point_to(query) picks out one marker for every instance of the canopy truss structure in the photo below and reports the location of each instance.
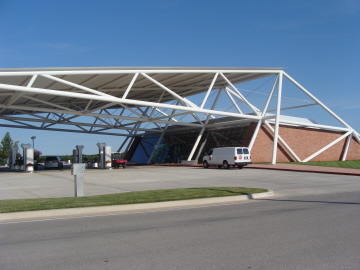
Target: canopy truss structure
(129, 101)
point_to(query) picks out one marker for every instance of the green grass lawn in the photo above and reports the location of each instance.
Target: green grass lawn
(352, 164)
(7, 206)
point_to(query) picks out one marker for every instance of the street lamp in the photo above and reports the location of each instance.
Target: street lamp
(33, 138)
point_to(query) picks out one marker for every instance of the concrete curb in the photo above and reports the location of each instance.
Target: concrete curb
(307, 171)
(319, 169)
(70, 212)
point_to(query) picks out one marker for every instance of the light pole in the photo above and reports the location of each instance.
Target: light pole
(33, 138)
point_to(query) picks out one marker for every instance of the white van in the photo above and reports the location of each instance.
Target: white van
(227, 156)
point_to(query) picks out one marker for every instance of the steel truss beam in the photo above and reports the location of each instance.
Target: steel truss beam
(64, 95)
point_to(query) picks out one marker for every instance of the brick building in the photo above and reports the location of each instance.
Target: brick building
(176, 145)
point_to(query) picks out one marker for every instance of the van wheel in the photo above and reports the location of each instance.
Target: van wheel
(240, 167)
(206, 165)
(226, 165)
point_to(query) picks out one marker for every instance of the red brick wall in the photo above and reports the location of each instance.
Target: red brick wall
(303, 141)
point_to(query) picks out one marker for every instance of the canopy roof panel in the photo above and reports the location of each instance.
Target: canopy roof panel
(114, 81)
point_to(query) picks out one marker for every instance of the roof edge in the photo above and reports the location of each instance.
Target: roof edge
(137, 68)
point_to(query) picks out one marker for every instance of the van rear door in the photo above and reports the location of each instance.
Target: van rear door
(243, 156)
(246, 153)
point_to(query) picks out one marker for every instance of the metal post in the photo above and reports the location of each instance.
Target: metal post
(12, 160)
(101, 155)
(277, 119)
(33, 139)
(78, 170)
(80, 148)
(24, 147)
(349, 139)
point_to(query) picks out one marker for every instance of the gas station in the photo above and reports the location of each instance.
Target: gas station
(175, 113)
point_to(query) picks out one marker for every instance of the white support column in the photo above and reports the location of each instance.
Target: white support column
(348, 142)
(253, 138)
(130, 85)
(31, 82)
(203, 129)
(251, 144)
(196, 144)
(201, 148)
(327, 146)
(277, 119)
(209, 90)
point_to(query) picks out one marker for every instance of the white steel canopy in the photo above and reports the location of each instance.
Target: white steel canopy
(124, 101)
(146, 84)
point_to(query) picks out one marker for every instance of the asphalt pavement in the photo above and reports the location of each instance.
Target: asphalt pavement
(318, 232)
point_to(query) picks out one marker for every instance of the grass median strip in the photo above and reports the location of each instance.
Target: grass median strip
(350, 164)
(7, 206)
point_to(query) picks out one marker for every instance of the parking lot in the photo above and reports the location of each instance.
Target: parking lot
(60, 183)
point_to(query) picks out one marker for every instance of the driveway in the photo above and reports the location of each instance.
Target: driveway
(60, 183)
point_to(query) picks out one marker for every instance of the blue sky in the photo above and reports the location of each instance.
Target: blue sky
(317, 41)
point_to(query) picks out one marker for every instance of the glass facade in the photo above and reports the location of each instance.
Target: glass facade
(144, 149)
(175, 147)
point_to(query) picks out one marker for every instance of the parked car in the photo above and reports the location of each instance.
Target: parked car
(53, 162)
(227, 156)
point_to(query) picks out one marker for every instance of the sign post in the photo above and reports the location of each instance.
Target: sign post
(78, 170)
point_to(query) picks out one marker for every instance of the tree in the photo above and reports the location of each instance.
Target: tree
(5, 146)
(37, 154)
